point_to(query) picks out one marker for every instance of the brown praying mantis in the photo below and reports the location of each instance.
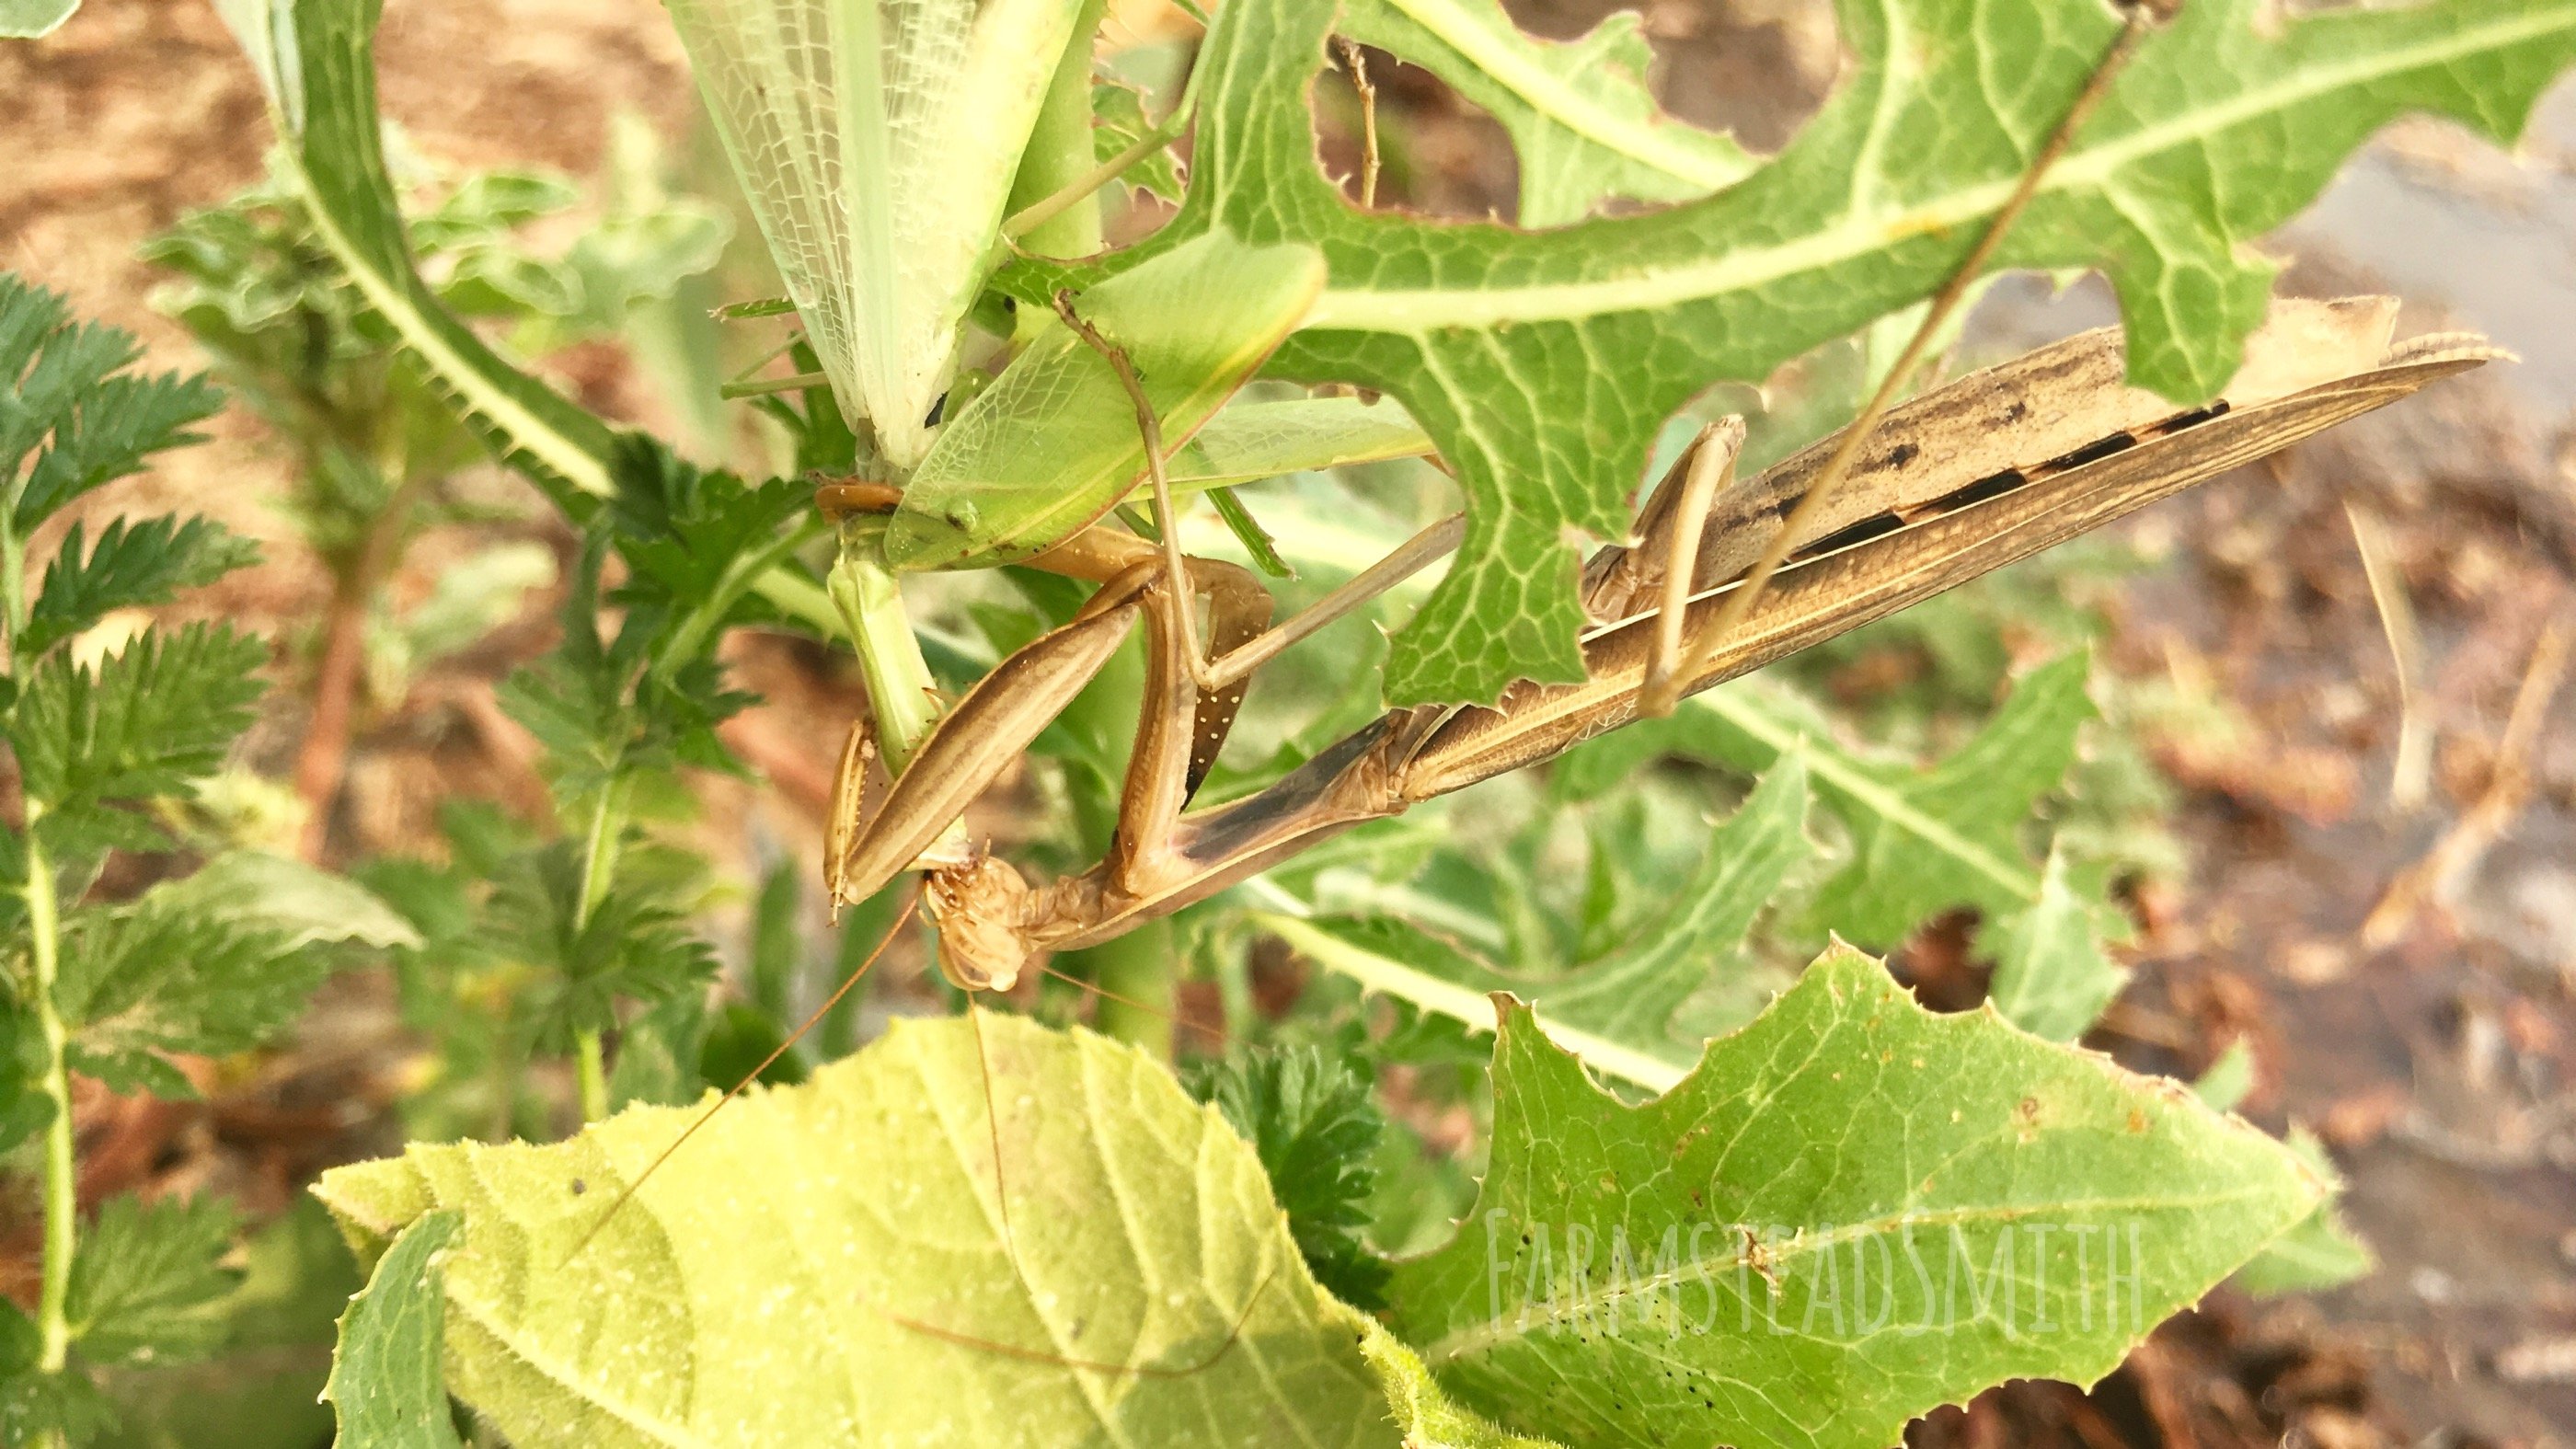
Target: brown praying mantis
(1951, 485)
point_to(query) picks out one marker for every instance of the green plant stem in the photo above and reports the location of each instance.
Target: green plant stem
(902, 696)
(62, 1184)
(598, 870)
(1138, 987)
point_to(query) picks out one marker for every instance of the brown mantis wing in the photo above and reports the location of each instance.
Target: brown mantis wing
(1954, 521)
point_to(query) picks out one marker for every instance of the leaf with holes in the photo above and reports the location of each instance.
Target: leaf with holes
(1543, 363)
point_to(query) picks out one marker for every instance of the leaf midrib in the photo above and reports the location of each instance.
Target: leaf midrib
(1418, 311)
(1491, 1333)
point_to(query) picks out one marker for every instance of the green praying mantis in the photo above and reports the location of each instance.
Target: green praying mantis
(1960, 481)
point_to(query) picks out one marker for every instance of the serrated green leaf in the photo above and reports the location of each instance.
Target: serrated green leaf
(384, 1387)
(2052, 978)
(1582, 122)
(806, 1269)
(1630, 993)
(147, 1280)
(147, 721)
(165, 975)
(72, 417)
(1311, 1120)
(1054, 442)
(2322, 1251)
(136, 563)
(1774, 1252)
(260, 1390)
(1543, 363)
(877, 151)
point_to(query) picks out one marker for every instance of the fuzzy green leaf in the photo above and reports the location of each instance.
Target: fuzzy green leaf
(146, 722)
(824, 1263)
(1544, 363)
(1776, 1251)
(384, 1386)
(1312, 1122)
(1429, 1417)
(147, 1280)
(1584, 125)
(132, 567)
(303, 905)
(72, 417)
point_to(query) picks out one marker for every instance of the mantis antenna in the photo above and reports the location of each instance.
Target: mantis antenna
(893, 929)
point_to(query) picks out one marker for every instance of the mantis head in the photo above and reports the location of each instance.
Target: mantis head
(977, 906)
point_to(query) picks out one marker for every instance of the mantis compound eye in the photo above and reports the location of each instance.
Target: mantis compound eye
(977, 907)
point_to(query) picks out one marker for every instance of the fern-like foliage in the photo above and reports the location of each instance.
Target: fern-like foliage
(1311, 1119)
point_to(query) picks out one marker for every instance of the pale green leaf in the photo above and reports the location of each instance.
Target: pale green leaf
(298, 904)
(1430, 974)
(1579, 114)
(384, 1383)
(2229, 1078)
(2322, 1251)
(1055, 441)
(32, 19)
(1924, 839)
(1615, 1011)
(876, 143)
(830, 1264)
(1631, 992)
(1543, 363)
(1853, 1211)
(2051, 976)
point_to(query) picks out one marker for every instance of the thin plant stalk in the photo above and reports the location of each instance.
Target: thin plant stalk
(62, 1184)
(598, 871)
